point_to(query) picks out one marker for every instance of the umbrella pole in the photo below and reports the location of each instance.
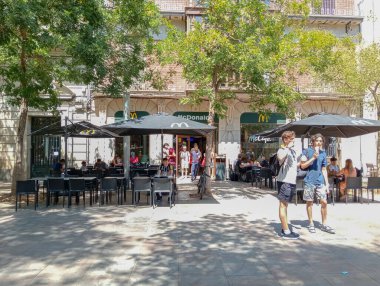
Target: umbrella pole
(66, 118)
(162, 145)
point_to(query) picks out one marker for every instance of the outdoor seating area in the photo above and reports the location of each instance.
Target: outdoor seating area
(105, 190)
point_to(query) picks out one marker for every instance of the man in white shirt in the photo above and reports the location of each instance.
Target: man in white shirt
(286, 180)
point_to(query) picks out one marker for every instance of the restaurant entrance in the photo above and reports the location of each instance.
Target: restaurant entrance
(189, 142)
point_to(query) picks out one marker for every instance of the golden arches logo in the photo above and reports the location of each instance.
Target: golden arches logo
(133, 115)
(88, 132)
(263, 118)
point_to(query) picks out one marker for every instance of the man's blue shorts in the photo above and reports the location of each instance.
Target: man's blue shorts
(285, 191)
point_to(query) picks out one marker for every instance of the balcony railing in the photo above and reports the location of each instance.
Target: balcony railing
(335, 8)
(171, 5)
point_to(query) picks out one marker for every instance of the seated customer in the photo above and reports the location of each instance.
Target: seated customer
(165, 169)
(83, 168)
(134, 159)
(332, 168)
(347, 171)
(117, 161)
(59, 167)
(100, 165)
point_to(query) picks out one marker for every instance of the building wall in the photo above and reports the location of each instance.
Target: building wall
(102, 110)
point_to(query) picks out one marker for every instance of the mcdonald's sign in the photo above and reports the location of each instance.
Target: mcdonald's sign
(263, 118)
(254, 117)
(133, 115)
(119, 115)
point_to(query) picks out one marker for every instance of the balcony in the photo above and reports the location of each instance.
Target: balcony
(171, 6)
(335, 8)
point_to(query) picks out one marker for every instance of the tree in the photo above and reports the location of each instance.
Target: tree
(256, 46)
(356, 73)
(44, 43)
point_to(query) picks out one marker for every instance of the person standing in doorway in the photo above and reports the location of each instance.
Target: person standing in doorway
(286, 181)
(316, 181)
(195, 157)
(185, 158)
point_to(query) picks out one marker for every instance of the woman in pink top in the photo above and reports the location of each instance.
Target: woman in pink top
(134, 159)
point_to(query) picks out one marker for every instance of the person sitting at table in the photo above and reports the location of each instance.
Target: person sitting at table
(100, 165)
(332, 168)
(134, 159)
(255, 163)
(83, 168)
(117, 161)
(347, 171)
(165, 169)
(59, 167)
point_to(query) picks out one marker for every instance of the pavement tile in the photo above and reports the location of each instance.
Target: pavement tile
(230, 239)
(350, 279)
(251, 280)
(215, 279)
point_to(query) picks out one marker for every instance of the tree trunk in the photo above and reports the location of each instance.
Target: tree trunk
(19, 154)
(378, 144)
(209, 145)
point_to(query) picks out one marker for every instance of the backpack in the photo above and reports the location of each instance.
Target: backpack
(274, 164)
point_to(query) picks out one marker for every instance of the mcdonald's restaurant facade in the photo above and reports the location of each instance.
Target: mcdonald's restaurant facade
(235, 132)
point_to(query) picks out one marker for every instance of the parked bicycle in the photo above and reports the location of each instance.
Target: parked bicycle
(202, 182)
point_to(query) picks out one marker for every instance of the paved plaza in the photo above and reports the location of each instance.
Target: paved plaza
(227, 239)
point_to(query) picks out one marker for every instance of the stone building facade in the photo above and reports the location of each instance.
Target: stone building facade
(339, 16)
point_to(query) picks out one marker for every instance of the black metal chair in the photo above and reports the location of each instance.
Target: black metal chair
(373, 184)
(299, 188)
(354, 184)
(27, 187)
(77, 186)
(332, 189)
(57, 187)
(256, 176)
(162, 185)
(141, 185)
(123, 185)
(107, 186)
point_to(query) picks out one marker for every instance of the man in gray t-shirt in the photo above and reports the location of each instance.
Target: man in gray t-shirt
(286, 180)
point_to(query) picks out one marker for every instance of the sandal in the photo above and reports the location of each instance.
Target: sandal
(327, 229)
(311, 228)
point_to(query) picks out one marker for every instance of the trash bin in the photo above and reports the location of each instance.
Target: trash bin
(220, 168)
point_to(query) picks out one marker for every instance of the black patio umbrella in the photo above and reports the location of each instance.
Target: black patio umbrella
(329, 125)
(82, 129)
(159, 123)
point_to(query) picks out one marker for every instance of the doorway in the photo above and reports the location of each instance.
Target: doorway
(189, 141)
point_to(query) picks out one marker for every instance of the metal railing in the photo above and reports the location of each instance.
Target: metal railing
(171, 5)
(335, 8)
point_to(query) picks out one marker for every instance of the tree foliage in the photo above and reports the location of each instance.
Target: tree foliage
(253, 47)
(45, 43)
(355, 72)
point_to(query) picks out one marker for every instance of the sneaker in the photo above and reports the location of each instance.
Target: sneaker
(290, 236)
(327, 229)
(311, 228)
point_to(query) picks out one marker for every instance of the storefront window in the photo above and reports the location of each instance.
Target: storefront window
(139, 143)
(253, 123)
